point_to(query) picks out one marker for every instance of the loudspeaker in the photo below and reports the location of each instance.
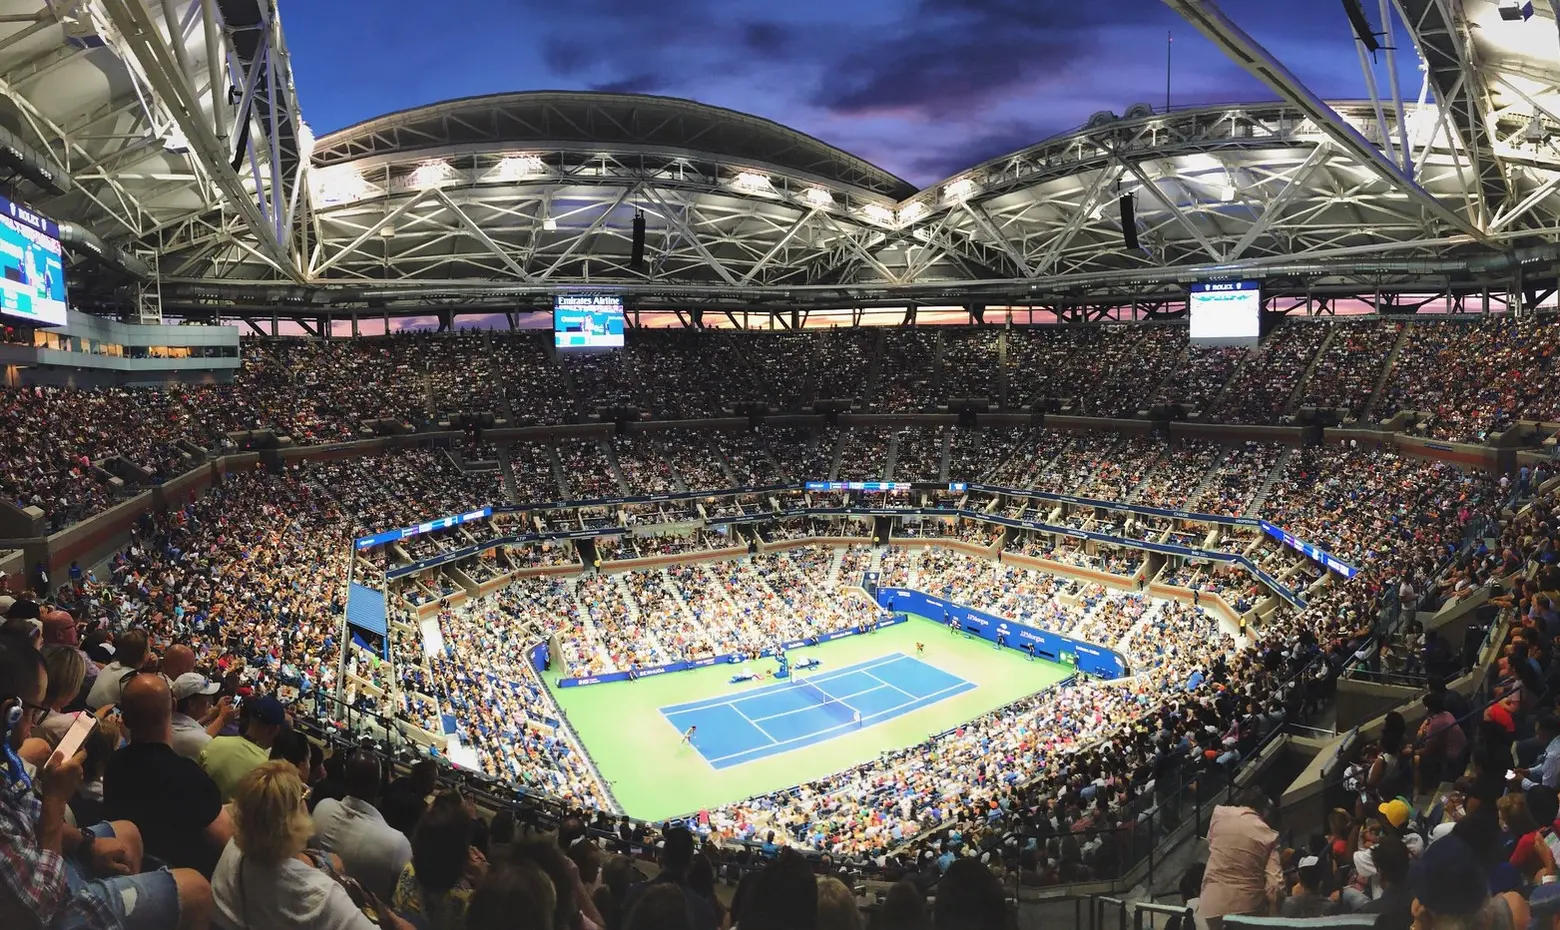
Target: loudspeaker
(1361, 25)
(1128, 222)
(636, 258)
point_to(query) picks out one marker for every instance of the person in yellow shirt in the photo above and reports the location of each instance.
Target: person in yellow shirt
(227, 759)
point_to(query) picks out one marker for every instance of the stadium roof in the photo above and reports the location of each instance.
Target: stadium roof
(165, 158)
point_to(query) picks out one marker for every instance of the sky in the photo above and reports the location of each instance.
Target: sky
(922, 88)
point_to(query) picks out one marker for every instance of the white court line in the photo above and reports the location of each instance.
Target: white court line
(760, 729)
(814, 736)
(780, 686)
(888, 684)
(839, 700)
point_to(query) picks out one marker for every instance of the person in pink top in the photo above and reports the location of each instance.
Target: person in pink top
(1243, 875)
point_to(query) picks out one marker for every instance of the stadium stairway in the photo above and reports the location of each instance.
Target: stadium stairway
(1253, 357)
(618, 476)
(946, 458)
(835, 456)
(1266, 488)
(1293, 402)
(891, 457)
(1381, 380)
(939, 375)
(875, 369)
(719, 456)
(557, 470)
(837, 559)
(1171, 370)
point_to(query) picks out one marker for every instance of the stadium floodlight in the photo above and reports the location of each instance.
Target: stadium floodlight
(911, 212)
(878, 213)
(753, 181)
(819, 197)
(960, 190)
(431, 174)
(1516, 10)
(515, 167)
(1227, 193)
(338, 184)
(305, 140)
(550, 225)
(175, 142)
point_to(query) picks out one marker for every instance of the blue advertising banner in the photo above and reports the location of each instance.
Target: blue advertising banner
(1314, 552)
(1090, 658)
(538, 654)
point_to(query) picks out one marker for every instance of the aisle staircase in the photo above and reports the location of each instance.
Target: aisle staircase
(836, 456)
(875, 369)
(610, 453)
(1255, 507)
(834, 567)
(1291, 405)
(945, 459)
(891, 457)
(1369, 411)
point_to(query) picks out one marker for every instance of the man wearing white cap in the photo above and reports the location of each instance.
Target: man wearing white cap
(1306, 898)
(195, 719)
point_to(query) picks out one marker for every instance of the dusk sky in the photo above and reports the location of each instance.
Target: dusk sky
(923, 88)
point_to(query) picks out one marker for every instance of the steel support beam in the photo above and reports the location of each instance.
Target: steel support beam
(156, 60)
(1446, 45)
(1207, 18)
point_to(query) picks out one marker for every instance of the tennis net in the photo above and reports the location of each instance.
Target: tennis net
(827, 701)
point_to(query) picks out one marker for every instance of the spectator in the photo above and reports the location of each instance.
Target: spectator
(513, 896)
(1243, 874)
(1307, 899)
(436, 885)
(67, 670)
(662, 907)
(130, 653)
(53, 875)
(904, 908)
(676, 860)
(353, 829)
(227, 759)
(195, 719)
(969, 897)
(837, 908)
(784, 896)
(174, 803)
(262, 881)
(1450, 891)
(1394, 908)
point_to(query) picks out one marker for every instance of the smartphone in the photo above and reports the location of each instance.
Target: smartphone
(76, 735)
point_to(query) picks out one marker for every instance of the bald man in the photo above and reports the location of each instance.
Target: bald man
(176, 661)
(174, 803)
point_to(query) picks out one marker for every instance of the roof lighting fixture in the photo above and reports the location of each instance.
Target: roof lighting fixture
(819, 197)
(305, 140)
(962, 189)
(1516, 10)
(878, 213)
(431, 174)
(175, 141)
(338, 184)
(1227, 194)
(550, 225)
(911, 212)
(515, 167)
(752, 181)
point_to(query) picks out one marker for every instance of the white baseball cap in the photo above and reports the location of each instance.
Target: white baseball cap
(192, 683)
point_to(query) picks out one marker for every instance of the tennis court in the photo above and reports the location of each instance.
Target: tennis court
(792, 714)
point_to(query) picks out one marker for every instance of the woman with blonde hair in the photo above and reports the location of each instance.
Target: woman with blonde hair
(266, 880)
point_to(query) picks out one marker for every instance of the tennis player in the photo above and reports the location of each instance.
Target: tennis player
(856, 718)
(687, 739)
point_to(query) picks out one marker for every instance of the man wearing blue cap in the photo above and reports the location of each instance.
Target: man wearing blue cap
(1451, 892)
(227, 759)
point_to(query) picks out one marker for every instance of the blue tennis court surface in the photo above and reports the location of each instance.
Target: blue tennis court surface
(792, 714)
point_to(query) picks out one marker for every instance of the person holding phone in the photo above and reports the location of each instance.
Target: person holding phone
(52, 874)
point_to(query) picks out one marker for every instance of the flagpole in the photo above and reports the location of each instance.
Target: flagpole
(1169, 39)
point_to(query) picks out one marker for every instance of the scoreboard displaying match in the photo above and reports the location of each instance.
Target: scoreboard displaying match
(587, 321)
(1226, 312)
